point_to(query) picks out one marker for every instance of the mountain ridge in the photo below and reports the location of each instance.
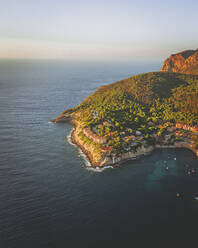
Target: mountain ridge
(182, 62)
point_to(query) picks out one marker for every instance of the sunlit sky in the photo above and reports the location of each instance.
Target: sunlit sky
(97, 30)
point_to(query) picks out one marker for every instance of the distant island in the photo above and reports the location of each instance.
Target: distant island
(132, 117)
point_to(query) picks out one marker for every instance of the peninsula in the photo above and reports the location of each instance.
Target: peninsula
(132, 117)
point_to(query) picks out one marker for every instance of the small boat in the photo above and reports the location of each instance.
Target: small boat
(175, 158)
(196, 198)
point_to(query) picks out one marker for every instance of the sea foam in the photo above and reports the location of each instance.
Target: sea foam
(84, 156)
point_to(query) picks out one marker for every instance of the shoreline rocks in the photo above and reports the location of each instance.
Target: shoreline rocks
(103, 160)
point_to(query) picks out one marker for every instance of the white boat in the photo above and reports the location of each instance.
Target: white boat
(196, 198)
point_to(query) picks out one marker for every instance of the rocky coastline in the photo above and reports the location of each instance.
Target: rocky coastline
(76, 141)
(103, 161)
(98, 160)
(130, 118)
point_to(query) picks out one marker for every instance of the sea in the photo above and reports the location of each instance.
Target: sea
(48, 196)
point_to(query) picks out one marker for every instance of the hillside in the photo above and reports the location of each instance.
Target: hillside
(169, 96)
(183, 62)
(140, 112)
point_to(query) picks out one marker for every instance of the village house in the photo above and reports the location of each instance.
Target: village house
(138, 133)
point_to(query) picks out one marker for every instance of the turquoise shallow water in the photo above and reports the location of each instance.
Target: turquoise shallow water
(47, 196)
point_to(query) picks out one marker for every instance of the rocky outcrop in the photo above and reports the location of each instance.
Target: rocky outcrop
(93, 153)
(66, 116)
(183, 62)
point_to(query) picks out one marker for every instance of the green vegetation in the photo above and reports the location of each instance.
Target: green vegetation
(140, 103)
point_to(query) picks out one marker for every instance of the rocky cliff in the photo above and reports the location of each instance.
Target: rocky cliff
(183, 62)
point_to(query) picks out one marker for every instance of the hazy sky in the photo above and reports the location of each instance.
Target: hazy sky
(97, 29)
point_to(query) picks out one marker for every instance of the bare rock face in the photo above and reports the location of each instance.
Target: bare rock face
(183, 62)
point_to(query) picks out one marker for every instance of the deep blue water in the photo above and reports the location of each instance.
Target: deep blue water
(48, 199)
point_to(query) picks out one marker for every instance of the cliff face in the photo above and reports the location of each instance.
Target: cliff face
(183, 62)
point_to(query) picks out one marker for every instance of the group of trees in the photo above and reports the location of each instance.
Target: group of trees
(136, 101)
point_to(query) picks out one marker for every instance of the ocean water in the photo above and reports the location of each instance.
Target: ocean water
(48, 199)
